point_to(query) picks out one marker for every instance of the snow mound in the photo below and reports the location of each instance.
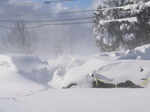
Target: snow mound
(142, 52)
(82, 100)
(79, 75)
(117, 66)
(87, 100)
(70, 70)
(61, 66)
(32, 68)
(12, 83)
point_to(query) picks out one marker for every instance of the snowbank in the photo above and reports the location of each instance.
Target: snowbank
(21, 75)
(61, 66)
(132, 65)
(24, 82)
(81, 100)
(32, 68)
(65, 70)
(87, 100)
(142, 53)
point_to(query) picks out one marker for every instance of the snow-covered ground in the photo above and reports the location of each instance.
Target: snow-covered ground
(27, 82)
(118, 66)
(81, 100)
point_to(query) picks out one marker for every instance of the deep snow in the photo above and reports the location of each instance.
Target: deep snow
(27, 82)
(81, 100)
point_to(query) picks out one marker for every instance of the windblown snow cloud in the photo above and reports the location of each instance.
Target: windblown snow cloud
(49, 38)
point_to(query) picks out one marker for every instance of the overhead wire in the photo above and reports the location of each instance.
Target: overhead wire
(56, 1)
(5, 27)
(56, 22)
(68, 21)
(78, 11)
(52, 22)
(47, 20)
(91, 10)
(65, 21)
(60, 24)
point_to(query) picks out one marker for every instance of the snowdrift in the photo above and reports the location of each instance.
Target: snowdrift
(25, 82)
(79, 100)
(141, 53)
(132, 65)
(20, 75)
(22, 72)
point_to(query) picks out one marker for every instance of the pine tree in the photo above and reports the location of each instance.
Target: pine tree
(121, 26)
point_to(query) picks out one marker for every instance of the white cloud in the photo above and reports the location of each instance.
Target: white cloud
(60, 7)
(12, 8)
(26, 3)
(20, 2)
(96, 3)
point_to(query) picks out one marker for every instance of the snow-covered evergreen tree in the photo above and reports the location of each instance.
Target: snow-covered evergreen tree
(117, 3)
(122, 23)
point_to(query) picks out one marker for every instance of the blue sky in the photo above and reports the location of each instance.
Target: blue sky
(75, 3)
(13, 8)
(81, 3)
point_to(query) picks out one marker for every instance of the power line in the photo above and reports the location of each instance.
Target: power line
(78, 11)
(85, 11)
(54, 22)
(56, 1)
(5, 27)
(51, 24)
(73, 20)
(91, 10)
(61, 24)
(67, 19)
(50, 20)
